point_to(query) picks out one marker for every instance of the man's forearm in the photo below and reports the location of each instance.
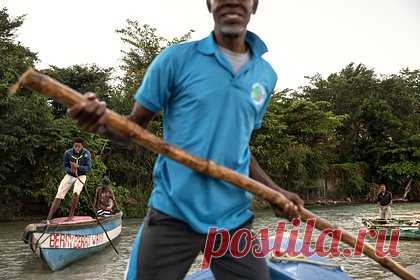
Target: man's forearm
(258, 174)
(119, 138)
(115, 203)
(115, 137)
(83, 168)
(289, 209)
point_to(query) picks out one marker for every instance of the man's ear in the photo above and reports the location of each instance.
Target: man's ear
(209, 6)
(254, 9)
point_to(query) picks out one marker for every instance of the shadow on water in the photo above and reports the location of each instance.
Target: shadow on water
(18, 262)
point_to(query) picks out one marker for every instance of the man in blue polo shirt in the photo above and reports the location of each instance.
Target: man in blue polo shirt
(213, 94)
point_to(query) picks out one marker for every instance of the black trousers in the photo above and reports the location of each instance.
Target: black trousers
(169, 246)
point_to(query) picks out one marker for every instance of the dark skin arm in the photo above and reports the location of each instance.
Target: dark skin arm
(390, 202)
(73, 168)
(95, 201)
(289, 210)
(115, 206)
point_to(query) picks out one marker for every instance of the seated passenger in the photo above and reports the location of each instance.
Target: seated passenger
(105, 204)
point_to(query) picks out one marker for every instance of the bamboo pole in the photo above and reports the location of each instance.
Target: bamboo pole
(69, 97)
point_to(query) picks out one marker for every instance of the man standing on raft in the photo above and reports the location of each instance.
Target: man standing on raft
(77, 163)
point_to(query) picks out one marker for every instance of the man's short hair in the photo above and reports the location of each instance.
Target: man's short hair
(105, 181)
(77, 140)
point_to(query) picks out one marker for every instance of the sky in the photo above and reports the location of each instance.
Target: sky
(304, 37)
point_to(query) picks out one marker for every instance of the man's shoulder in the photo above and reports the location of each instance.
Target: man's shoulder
(174, 57)
(68, 151)
(178, 50)
(86, 151)
(268, 68)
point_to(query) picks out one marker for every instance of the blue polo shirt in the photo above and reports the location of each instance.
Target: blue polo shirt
(209, 112)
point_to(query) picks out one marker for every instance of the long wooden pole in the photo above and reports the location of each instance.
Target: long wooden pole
(69, 97)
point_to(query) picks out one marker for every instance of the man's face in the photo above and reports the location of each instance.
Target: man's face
(77, 147)
(231, 17)
(382, 188)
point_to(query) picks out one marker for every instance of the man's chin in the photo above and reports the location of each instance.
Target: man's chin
(230, 35)
(232, 31)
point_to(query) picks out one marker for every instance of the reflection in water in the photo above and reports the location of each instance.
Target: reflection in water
(18, 262)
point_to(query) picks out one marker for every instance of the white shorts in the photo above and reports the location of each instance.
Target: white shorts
(385, 212)
(66, 184)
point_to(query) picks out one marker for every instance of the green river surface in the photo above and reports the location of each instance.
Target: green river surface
(18, 262)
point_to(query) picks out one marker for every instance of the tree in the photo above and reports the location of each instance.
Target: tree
(34, 133)
(143, 45)
(14, 58)
(16, 117)
(82, 78)
(296, 141)
(382, 115)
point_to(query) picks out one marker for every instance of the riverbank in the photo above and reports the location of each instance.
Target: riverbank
(32, 211)
(15, 210)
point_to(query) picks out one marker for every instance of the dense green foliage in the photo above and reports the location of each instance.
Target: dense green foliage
(350, 130)
(381, 134)
(297, 141)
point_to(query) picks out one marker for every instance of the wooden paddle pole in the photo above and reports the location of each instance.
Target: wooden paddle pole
(69, 97)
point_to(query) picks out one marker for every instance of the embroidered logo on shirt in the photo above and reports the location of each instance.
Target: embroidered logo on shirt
(258, 94)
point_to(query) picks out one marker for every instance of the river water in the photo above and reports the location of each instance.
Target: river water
(18, 262)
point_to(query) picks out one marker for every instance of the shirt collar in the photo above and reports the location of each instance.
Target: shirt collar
(258, 48)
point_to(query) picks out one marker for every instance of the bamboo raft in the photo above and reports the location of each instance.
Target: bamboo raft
(408, 225)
